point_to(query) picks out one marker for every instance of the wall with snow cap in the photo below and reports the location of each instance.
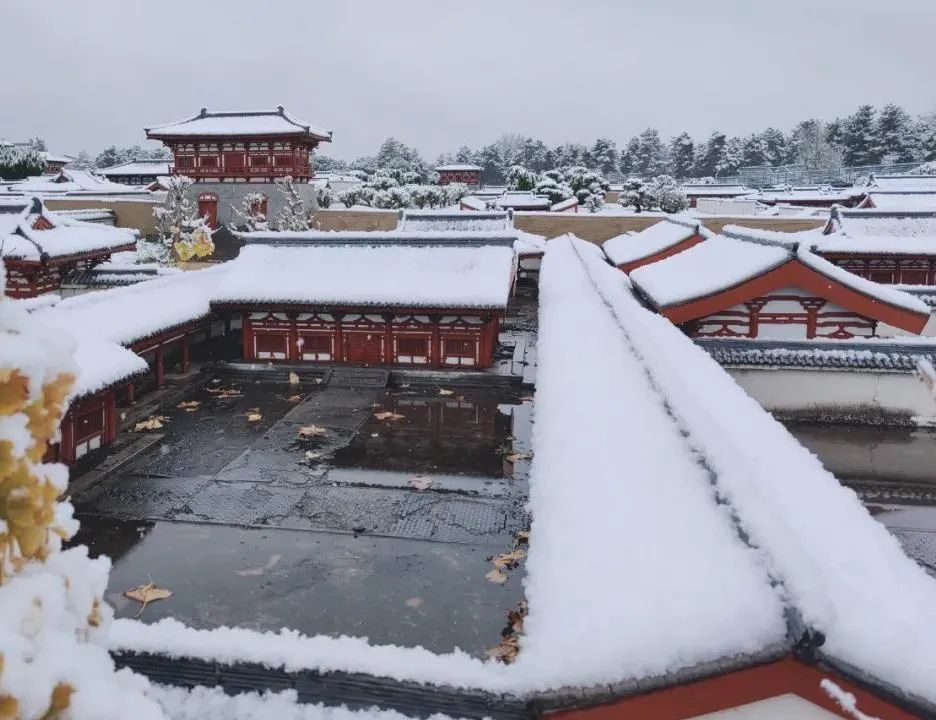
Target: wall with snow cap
(833, 395)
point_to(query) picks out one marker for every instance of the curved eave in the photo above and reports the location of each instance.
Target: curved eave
(792, 273)
(298, 134)
(320, 306)
(74, 257)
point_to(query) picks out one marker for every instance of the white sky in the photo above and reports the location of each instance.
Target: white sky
(438, 73)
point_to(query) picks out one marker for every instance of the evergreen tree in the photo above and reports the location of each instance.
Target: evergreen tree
(17, 163)
(37, 143)
(681, 155)
(636, 194)
(775, 147)
(465, 155)
(711, 155)
(534, 155)
(753, 151)
(107, 158)
(604, 156)
(812, 151)
(858, 137)
(894, 135)
(926, 137)
(649, 158)
(628, 155)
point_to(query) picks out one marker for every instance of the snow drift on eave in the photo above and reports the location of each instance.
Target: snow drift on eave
(843, 571)
(658, 237)
(455, 277)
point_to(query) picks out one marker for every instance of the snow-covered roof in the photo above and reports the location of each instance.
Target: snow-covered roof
(53, 158)
(246, 122)
(837, 570)
(726, 190)
(415, 238)
(370, 276)
(903, 201)
(529, 244)
(458, 167)
(661, 236)
(474, 203)
(522, 200)
(742, 254)
(72, 182)
(128, 314)
(880, 231)
(63, 236)
(564, 204)
(902, 182)
(444, 220)
(102, 363)
(137, 167)
(793, 195)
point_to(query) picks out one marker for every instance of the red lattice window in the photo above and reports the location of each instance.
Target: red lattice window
(270, 345)
(234, 161)
(185, 161)
(913, 277)
(412, 346)
(209, 161)
(460, 347)
(259, 160)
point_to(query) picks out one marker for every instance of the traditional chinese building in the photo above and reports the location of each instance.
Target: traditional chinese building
(923, 199)
(398, 302)
(816, 197)
(137, 172)
(886, 246)
(40, 248)
(232, 154)
(761, 284)
(460, 173)
(657, 242)
(694, 191)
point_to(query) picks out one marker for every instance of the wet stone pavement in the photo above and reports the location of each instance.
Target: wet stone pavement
(320, 516)
(893, 471)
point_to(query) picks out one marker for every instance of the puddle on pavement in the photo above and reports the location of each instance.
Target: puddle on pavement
(386, 535)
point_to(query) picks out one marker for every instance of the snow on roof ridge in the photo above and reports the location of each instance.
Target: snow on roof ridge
(842, 570)
(279, 111)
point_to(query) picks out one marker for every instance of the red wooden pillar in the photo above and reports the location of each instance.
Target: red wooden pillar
(247, 336)
(339, 355)
(185, 354)
(388, 339)
(435, 345)
(110, 415)
(67, 444)
(812, 308)
(754, 307)
(131, 395)
(160, 367)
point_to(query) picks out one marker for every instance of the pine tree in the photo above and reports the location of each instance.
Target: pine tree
(775, 147)
(534, 155)
(812, 151)
(926, 137)
(178, 225)
(858, 137)
(753, 151)
(649, 158)
(681, 155)
(292, 216)
(731, 158)
(604, 156)
(893, 133)
(251, 213)
(667, 194)
(628, 155)
(636, 194)
(17, 163)
(711, 155)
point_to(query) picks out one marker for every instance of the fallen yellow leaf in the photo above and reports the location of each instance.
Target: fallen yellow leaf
(145, 594)
(154, 422)
(507, 560)
(496, 576)
(293, 378)
(514, 457)
(189, 405)
(388, 416)
(443, 391)
(311, 431)
(254, 417)
(294, 398)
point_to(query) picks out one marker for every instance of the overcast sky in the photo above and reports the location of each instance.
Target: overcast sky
(438, 74)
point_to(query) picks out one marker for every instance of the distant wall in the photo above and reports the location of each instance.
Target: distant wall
(594, 228)
(136, 214)
(863, 396)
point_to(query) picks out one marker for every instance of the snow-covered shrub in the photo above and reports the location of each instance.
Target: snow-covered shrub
(324, 197)
(594, 203)
(667, 194)
(17, 163)
(519, 178)
(292, 216)
(636, 194)
(51, 601)
(553, 189)
(452, 193)
(392, 198)
(927, 168)
(350, 197)
(251, 214)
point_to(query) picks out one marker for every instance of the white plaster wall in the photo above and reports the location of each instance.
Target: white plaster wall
(929, 330)
(846, 392)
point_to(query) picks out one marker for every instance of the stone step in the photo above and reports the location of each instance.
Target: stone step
(351, 376)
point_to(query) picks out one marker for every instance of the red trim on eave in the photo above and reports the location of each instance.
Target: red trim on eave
(796, 274)
(58, 259)
(364, 309)
(689, 242)
(737, 688)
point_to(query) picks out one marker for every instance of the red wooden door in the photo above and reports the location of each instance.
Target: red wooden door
(363, 348)
(208, 208)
